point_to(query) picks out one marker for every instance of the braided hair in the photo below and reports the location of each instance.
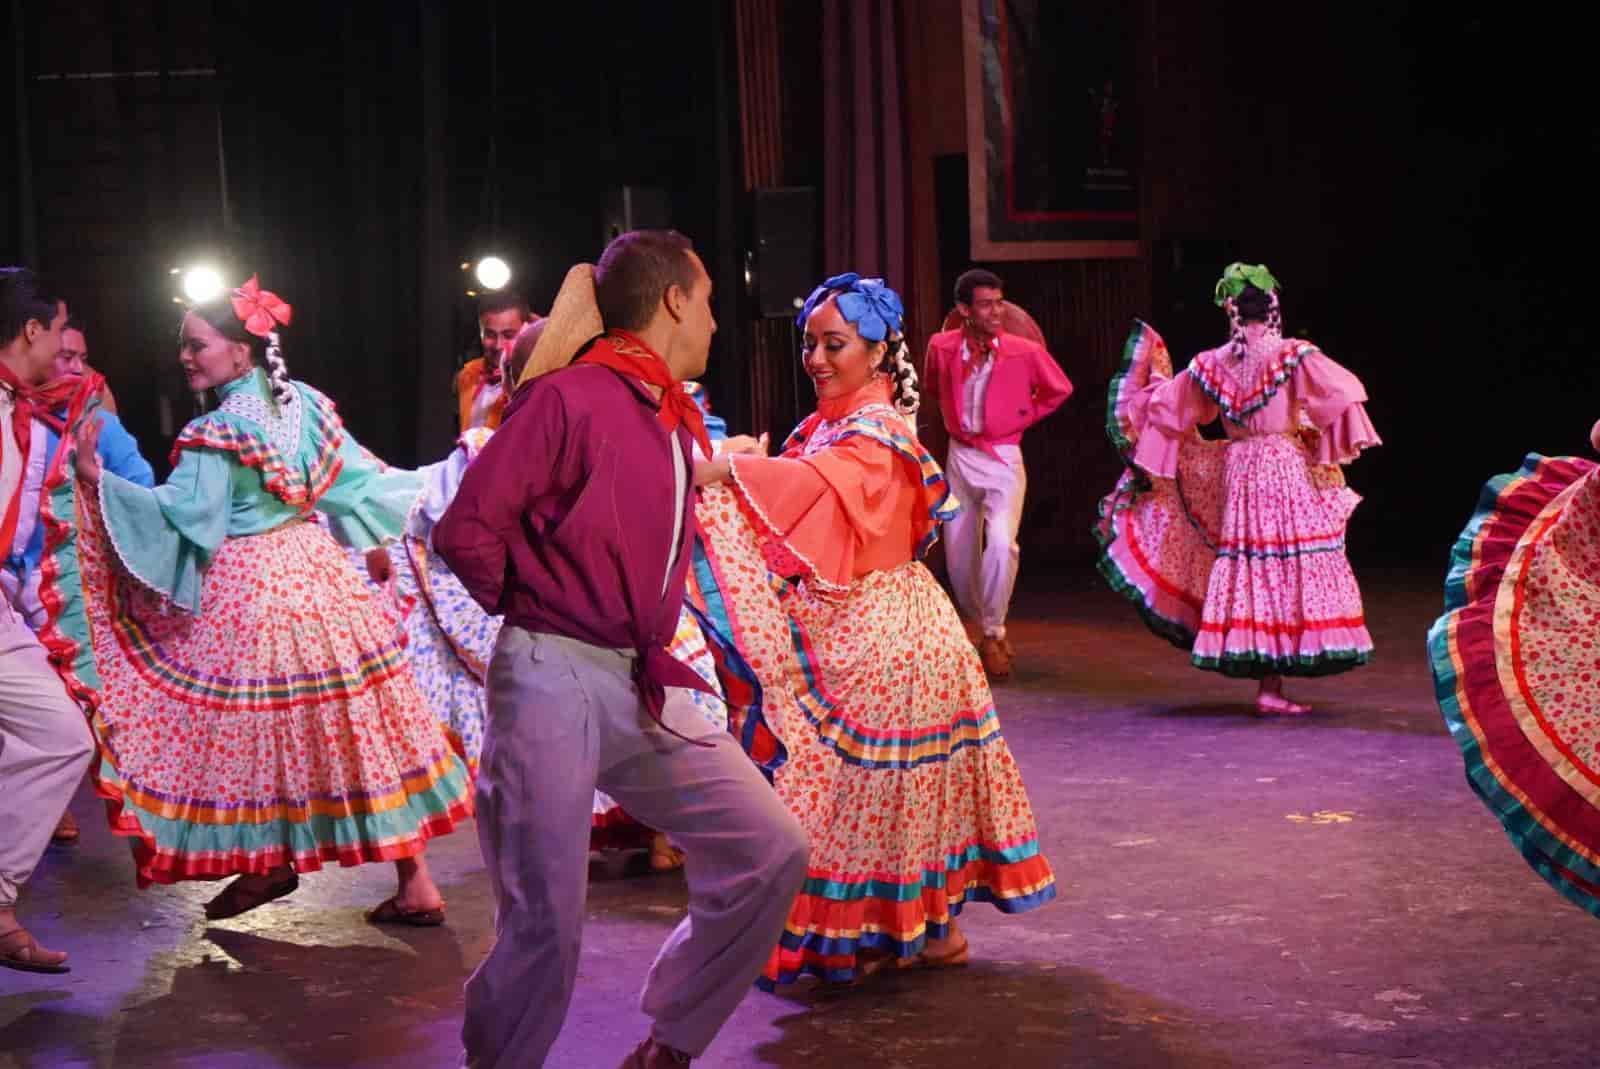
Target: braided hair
(1253, 305)
(907, 395)
(278, 370)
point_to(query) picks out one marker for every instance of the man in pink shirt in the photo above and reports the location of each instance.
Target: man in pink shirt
(991, 386)
(576, 523)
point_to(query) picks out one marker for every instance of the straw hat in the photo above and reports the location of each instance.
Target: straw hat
(574, 318)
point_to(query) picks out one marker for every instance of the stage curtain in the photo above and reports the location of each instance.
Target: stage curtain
(864, 214)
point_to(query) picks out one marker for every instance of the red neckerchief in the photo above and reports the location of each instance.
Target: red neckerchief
(655, 669)
(27, 402)
(82, 395)
(626, 354)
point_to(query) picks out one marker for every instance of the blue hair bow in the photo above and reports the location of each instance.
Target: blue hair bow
(874, 308)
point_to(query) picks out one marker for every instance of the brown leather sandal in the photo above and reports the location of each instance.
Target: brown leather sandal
(952, 959)
(19, 950)
(66, 831)
(389, 912)
(238, 897)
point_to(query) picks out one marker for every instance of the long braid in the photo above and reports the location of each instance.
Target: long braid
(907, 388)
(278, 371)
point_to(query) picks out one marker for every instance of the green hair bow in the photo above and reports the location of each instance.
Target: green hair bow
(1235, 277)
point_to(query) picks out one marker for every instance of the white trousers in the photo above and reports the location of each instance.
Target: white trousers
(980, 544)
(45, 747)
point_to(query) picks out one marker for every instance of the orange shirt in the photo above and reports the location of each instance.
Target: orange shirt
(469, 381)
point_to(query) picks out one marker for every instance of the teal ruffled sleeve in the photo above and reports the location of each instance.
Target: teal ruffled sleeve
(368, 503)
(165, 536)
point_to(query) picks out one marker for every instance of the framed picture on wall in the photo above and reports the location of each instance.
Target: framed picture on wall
(1051, 150)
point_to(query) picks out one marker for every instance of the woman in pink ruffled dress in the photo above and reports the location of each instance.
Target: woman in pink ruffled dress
(1234, 549)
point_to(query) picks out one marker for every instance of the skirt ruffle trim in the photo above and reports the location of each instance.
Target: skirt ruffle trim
(173, 842)
(833, 921)
(1462, 653)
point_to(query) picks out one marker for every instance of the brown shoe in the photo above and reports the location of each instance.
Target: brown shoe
(996, 661)
(66, 829)
(653, 1055)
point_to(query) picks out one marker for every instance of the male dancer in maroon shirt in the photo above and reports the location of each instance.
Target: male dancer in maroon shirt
(575, 523)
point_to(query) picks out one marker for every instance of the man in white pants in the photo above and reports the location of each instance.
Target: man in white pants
(45, 744)
(991, 386)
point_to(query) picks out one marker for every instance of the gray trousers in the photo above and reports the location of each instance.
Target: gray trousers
(565, 718)
(45, 747)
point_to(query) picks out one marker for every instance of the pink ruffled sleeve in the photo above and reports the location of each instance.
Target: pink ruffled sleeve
(1333, 401)
(1171, 409)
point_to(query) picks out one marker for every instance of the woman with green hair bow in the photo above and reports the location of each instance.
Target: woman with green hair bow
(1234, 549)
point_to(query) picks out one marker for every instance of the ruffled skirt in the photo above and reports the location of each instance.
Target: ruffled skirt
(892, 756)
(277, 726)
(1516, 665)
(1240, 559)
(449, 640)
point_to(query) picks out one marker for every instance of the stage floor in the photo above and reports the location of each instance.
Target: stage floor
(1233, 892)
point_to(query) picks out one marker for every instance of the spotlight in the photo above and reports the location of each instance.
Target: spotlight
(492, 273)
(202, 283)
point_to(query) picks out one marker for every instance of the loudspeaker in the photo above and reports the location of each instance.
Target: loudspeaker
(785, 263)
(635, 208)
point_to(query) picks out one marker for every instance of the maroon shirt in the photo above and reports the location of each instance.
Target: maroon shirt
(563, 524)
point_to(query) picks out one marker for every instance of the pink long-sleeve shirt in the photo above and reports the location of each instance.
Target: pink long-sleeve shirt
(1025, 385)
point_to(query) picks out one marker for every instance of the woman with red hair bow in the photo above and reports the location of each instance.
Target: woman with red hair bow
(250, 693)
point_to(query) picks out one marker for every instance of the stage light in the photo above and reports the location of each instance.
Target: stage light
(493, 273)
(202, 283)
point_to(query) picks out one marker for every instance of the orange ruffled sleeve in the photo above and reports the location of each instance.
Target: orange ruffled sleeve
(834, 516)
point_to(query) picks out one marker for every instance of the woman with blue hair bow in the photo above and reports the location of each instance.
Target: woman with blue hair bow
(875, 716)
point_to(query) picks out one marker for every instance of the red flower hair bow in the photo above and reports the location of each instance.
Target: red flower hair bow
(260, 310)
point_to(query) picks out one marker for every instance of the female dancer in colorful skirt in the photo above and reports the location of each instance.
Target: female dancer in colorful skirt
(1234, 550)
(883, 735)
(249, 691)
(1517, 669)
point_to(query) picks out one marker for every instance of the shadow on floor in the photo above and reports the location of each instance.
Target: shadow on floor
(994, 1014)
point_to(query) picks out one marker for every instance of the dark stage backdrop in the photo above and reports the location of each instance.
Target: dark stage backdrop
(1417, 176)
(354, 155)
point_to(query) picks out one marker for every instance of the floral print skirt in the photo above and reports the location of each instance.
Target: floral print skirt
(1240, 558)
(279, 725)
(449, 640)
(893, 758)
(1516, 665)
